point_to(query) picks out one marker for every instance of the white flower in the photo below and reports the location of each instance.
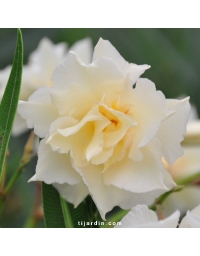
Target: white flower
(101, 136)
(38, 71)
(184, 167)
(192, 219)
(189, 163)
(141, 217)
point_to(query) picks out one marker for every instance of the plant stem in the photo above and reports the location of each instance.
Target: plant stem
(160, 212)
(37, 212)
(26, 158)
(189, 180)
(16, 175)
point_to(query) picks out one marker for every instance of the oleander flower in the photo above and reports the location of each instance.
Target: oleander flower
(141, 217)
(192, 219)
(184, 167)
(39, 69)
(102, 136)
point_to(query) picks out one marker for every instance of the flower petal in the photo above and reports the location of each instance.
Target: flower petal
(54, 167)
(19, 125)
(170, 141)
(38, 112)
(105, 197)
(45, 59)
(141, 176)
(125, 122)
(148, 109)
(105, 49)
(74, 194)
(74, 80)
(139, 216)
(184, 200)
(141, 198)
(103, 156)
(192, 219)
(75, 142)
(171, 221)
(83, 49)
(187, 165)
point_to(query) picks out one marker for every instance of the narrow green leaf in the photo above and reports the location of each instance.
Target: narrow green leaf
(60, 214)
(53, 213)
(10, 99)
(76, 217)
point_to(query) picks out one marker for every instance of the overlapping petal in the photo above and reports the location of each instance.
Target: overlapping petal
(170, 141)
(105, 49)
(139, 176)
(38, 112)
(83, 49)
(192, 219)
(141, 217)
(74, 194)
(105, 197)
(73, 80)
(53, 167)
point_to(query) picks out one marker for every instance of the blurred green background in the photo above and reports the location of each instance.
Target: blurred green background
(173, 54)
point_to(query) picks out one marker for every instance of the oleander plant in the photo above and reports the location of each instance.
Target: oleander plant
(87, 140)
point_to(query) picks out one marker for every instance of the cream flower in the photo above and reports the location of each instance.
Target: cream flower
(192, 219)
(184, 167)
(101, 136)
(141, 217)
(38, 71)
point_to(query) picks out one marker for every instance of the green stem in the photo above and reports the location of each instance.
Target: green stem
(162, 198)
(66, 213)
(189, 180)
(31, 223)
(16, 175)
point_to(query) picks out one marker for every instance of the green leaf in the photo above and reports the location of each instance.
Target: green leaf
(10, 99)
(76, 217)
(53, 213)
(60, 214)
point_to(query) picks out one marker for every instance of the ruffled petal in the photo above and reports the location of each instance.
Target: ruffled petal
(187, 165)
(141, 176)
(147, 198)
(54, 167)
(74, 194)
(83, 49)
(45, 59)
(105, 49)
(148, 109)
(105, 197)
(74, 80)
(141, 217)
(192, 219)
(38, 112)
(171, 138)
